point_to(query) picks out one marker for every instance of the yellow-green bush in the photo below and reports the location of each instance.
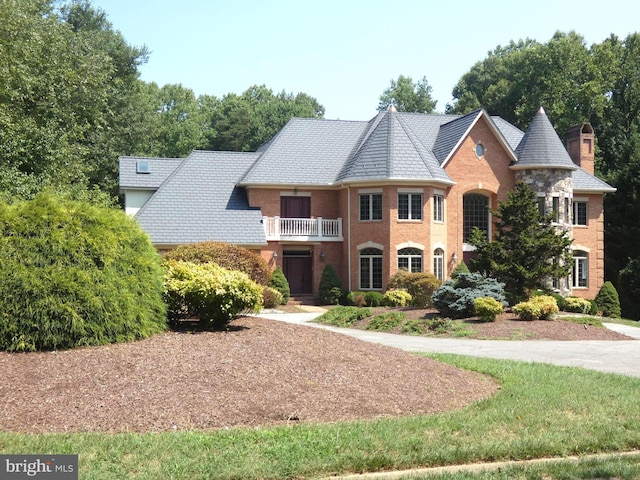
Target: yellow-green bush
(487, 308)
(73, 274)
(208, 292)
(271, 298)
(577, 305)
(542, 307)
(396, 298)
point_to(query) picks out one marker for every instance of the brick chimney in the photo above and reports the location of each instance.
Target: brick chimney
(580, 145)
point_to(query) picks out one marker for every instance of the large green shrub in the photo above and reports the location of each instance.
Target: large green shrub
(208, 292)
(225, 255)
(608, 300)
(72, 274)
(420, 286)
(279, 282)
(455, 297)
(330, 286)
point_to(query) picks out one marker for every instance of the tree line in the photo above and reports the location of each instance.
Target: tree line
(71, 102)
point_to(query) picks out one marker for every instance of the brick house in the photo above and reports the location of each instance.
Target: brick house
(402, 190)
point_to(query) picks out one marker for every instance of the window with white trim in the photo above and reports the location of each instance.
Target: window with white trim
(370, 269)
(438, 263)
(438, 207)
(409, 206)
(370, 206)
(580, 274)
(579, 212)
(410, 259)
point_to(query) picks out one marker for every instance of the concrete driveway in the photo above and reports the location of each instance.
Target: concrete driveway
(621, 357)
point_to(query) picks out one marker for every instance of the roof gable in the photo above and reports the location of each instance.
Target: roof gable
(160, 169)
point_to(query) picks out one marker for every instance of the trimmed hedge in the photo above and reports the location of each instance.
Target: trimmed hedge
(73, 274)
(225, 255)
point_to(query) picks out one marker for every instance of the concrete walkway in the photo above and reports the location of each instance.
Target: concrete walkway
(621, 357)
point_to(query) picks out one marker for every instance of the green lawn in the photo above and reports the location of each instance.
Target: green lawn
(540, 411)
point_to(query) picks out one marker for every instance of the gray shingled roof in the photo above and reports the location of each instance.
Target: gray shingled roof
(160, 169)
(451, 133)
(541, 147)
(585, 182)
(306, 151)
(200, 201)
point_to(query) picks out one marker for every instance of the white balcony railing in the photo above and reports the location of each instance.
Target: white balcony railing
(303, 229)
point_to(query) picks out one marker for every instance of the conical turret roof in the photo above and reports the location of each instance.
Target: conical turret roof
(541, 147)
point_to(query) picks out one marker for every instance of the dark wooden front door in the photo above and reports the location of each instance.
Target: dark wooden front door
(295, 207)
(297, 267)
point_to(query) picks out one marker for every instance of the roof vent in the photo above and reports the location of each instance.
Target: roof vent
(143, 166)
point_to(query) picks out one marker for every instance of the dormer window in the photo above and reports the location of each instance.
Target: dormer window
(479, 150)
(143, 166)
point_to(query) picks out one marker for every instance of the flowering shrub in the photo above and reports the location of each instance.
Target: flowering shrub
(542, 307)
(396, 298)
(487, 308)
(209, 292)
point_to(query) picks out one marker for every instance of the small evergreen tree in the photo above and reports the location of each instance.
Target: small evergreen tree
(460, 268)
(279, 282)
(526, 248)
(608, 300)
(330, 286)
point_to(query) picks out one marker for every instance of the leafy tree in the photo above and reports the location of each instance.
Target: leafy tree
(526, 248)
(72, 274)
(407, 96)
(629, 289)
(514, 81)
(244, 122)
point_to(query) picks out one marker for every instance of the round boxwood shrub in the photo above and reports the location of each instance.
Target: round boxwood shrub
(396, 298)
(73, 274)
(279, 282)
(231, 257)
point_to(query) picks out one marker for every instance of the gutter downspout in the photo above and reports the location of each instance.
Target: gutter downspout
(349, 235)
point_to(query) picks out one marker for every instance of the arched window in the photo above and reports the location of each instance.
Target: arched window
(410, 259)
(438, 263)
(370, 269)
(476, 214)
(580, 274)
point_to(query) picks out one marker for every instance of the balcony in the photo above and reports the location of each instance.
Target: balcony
(303, 229)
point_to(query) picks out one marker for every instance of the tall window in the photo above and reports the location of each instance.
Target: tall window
(555, 205)
(371, 269)
(410, 259)
(567, 218)
(580, 269)
(438, 208)
(579, 212)
(371, 206)
(438, 263)
(410, 206)
(541, 206)
(476, 214)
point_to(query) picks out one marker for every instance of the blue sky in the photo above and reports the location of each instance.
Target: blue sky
(344, 53)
